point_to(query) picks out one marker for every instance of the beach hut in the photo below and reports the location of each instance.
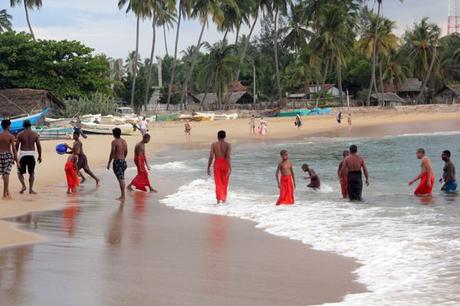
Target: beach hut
(410, 89)
(233, 98)
(390, 99)
(449, 94)
(21, 101)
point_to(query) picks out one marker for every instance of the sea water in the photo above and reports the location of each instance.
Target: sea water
(409, 247)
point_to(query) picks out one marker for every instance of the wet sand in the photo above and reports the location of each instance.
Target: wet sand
(143, 253)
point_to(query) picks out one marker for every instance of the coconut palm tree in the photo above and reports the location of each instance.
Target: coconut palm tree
(166, 17)
(28, 4)
(5, 21)
(280, 7)
(297, 31)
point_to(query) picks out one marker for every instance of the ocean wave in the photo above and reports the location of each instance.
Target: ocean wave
(179, 166)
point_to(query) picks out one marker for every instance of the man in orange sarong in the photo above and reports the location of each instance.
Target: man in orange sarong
(343, 178)
(220, 154)
(286, 180)
(426, 175)
(141, 180)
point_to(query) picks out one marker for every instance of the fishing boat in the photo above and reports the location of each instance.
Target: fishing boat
(169, 117)
(51, 133)
(106, 129)
(225, 116)
(295, 112)
(17, 123)
(321, 111)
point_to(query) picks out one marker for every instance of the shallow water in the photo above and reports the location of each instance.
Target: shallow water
(408, 246)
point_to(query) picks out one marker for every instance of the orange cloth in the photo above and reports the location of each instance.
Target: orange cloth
(286, 191)
(423, 188)
(141, 181)
(221, 178)
(344, 185)
(71, 174)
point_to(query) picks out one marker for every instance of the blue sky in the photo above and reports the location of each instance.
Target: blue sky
(102, 26)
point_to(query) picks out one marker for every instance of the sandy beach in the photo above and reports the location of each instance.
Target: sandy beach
(170, 136)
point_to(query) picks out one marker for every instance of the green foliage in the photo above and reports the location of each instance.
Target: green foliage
(67, 68)
(94, 104)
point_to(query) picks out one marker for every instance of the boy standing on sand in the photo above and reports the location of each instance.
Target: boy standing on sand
(285, 179)
(8, 156)
(118, 154)
(426, 175)
(252, 125)
(188, 130)
(220, 153)
(448, 175)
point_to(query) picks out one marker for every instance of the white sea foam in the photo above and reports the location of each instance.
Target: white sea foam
(446, 133)
(174, 166)
(408, 257)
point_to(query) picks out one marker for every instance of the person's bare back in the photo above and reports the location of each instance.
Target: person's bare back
(28, 140)
(119, 148)
(221, 149)
(139, 149)
(6, 141)
(426, 165)
(354, 162)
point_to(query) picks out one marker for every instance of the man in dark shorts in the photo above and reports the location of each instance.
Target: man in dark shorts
(26, 143)
(77, 149)
(353, 166)
(315, 182)
(8, 156)
(118, 154)
(448, 175)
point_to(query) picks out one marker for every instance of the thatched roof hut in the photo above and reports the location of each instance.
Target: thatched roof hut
(410, 89)
(389, 99)
(449, 94)
(21, 101)
(240, 97)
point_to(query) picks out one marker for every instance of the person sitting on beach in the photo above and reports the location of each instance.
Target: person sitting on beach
(188, 130)
(8, 156)
(298, 121)
(118, 153)
(141, 181)
(285, 179)
(71, 173)
(77, 148)
(315, 182)
(220, 153)
(26, 143)
(426, 175)
(448, 175)
(353, 166)
(343, 178)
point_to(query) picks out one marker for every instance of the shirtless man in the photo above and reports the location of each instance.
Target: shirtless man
(252, 124)
(77, 149)
(118, 154)
(188, 130)
(286, 180)
(26, 143)
(315, 182)
(448, 175)
(353, 165)
(141, 180)
(220, 153)
(8, 156)
(426, 175)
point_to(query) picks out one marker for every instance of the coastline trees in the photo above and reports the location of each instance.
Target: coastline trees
(5, 21)
(28, 4)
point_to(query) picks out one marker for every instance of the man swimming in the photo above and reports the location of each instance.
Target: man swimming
(343, 178)
(448, 175)
(286, 180)
(315, 182)
(220, 153)
(77, 149)
(353, 166)
(8, 156)
(26, 143)
(118, 153)
(426, 175)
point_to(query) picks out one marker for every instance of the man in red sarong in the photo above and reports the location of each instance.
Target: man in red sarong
(426, 175)
(343, 178)
(220, 154)
(141, 181)
(286, 180)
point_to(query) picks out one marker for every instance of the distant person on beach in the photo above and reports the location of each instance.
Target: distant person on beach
(448, 175)
(338, 118)
(8, 156)
(263, 126)
(315, 182)
(252, 124)
(143, 126)
(188, 130)
(77, 127)
(221, 154)
(285, 179)
(298, 121)
(118, 153)
(426, 175)
(141, 181)
(77, 148)
(353, 167)
(343, 178)
(26, 143)
(349, 122)
(71, 173)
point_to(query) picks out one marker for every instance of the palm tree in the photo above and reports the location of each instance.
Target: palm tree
(166, 17)
(28, 4)
(279, 6)
(297, 31)
(141, 9)
(5, 21)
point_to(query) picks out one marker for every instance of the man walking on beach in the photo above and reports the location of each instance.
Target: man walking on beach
(426, 175)
(26, 143)
(77, 149)
(118, 154)
(141, 181)
(220, 153)
(8, 156)
(343, 178)
(448, 175)
(353, 167)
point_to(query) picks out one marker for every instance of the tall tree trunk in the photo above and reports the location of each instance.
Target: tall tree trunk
(225, 35)
(246, 46)
(208, 85)
(26, 9)
(136, 54)
(277, 69)
(339, 79)
(428, 76)
(382, 85)
(173, 69)
(254, 101)
(237, 34)
(326, 72)
(192, 66)
(149, 67)
(165, 40)
(374, 57)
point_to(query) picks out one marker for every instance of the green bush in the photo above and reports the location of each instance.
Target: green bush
(95, 104)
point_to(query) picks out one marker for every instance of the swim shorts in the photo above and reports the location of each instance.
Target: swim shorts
(450, 186)
(82, 162)
(26, 164)
(119, 168)
(6, 163)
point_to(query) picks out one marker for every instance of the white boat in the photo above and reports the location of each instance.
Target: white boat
(226, 116)
(54, 132)
(98, 128)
